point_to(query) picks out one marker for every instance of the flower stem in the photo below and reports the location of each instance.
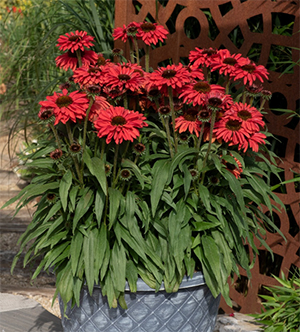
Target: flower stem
(147, 58)
(115, 164)
(131, 50)
(71, 140)
(136, 46)
(169, 137)
(55, 135)
(262, 105)
(78, 54)
(212, 123)
(170, 91)
(85, 130)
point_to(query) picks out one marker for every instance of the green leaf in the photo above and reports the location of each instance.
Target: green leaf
(65, 284)
(160, 178)
(97, 168)
(75, 251)
(101, 246)
(114, 203)
(118, 266)
(89, 257)
(99, 205)
(131, 275)
(82, 207)
(137, 172)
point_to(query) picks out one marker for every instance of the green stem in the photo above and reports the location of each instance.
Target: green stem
(201, 135)
(102, 149)
(212, 123)
(251, 101)
(78, 54)
(115, 164)
(71, 140)
(125, 101)
(136, 46)
(227, 86)
(169, 137)
(131, 50)
(85, 130)
(147, 58)
(262, 105)
(55, 135)
(170, 91)
(244, 97)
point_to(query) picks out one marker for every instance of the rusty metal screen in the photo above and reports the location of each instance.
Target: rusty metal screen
(229, 19)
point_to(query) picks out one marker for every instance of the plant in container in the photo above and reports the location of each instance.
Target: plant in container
(149, 180)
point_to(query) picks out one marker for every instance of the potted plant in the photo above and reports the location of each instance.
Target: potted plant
(148, 175)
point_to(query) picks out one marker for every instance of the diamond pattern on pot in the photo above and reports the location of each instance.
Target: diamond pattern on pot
(189, 310)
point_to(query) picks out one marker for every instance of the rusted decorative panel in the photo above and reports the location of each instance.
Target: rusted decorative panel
(224, 18)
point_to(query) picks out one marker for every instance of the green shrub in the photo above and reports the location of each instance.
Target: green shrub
(282, 306)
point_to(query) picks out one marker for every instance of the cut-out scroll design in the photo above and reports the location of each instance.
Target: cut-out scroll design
(224, 19)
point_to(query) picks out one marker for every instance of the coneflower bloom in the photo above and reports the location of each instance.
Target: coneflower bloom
(67, 106)
(175, 76)
(123, 77)
(89, 75)
(119, 124)
(70, 60)
(249, 71)
(151, 33)
(203, 56)
(254, 141)
(231, 131)
(216, 100)
(188, 122)
(74, 41)
(251, 118)
(99, 105)
(195, 93)
(195, 72)
(235, 169)
(126, 32)
(226, 63)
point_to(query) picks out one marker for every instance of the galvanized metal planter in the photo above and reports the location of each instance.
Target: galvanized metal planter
(191, 309)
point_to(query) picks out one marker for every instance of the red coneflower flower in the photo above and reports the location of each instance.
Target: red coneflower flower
(195, 93)
(226, 63)
(251, 118)
(203, 56)
(126, 32)
(188, 122)
(254, 141)
(119, 124)
(217, 101)
(195, 72)
(235, 169)
(151, 33)
(231, 131)
(175, 76)
(249, 71)
(123, 77)
(91, 75)
(74, 41)
(99, 105)
(69, 59)
(67, 106)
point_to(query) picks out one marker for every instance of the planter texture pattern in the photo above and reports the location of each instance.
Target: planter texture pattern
(191, 309)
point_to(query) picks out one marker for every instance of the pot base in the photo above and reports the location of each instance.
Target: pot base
(192, 309)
